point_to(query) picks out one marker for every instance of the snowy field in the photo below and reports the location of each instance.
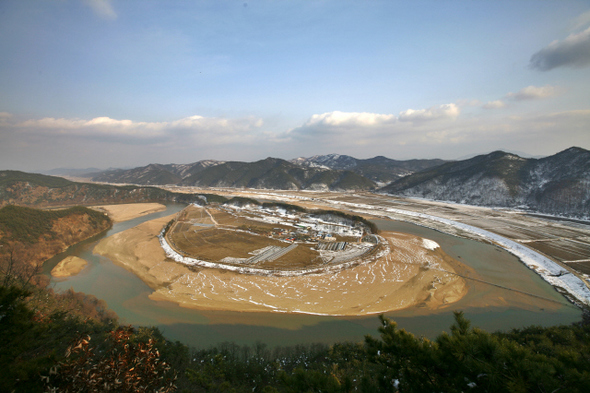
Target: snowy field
(549, 270)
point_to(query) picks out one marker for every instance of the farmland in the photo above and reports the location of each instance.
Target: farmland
(268, 239)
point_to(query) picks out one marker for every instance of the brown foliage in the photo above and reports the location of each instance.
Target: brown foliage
(126, 366)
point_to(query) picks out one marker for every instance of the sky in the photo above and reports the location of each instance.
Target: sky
(124, 83)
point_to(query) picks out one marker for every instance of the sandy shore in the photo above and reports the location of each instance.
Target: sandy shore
(413, 273)
(126, 212)
(69, 266)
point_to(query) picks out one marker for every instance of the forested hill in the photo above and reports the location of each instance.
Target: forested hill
(31, 236)
(379, 169)
(558, 184)
(29, 189)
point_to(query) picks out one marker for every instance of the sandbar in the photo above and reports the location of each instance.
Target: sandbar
(414, 273)
(129, 211)
(69, 266)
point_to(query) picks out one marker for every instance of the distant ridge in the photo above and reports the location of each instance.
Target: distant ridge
(270, 173)
(329, 172)
(31, 189)
(153, 174)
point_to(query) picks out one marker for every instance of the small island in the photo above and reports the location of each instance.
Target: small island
(69, 266)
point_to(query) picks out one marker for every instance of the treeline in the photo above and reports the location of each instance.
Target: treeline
(533, 359)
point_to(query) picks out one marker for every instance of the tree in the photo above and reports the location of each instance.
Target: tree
(470, 358)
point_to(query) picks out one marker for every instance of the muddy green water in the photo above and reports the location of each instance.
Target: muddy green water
(127, 295)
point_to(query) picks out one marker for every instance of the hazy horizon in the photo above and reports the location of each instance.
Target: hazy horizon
(107, 83)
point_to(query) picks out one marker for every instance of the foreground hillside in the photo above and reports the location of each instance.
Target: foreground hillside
(48, 347)
(558, 184)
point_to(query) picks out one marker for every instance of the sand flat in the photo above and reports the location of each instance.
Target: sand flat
(69, 266)
(129, 211)
(409, 275)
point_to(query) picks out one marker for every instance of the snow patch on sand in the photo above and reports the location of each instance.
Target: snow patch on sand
(430, 244)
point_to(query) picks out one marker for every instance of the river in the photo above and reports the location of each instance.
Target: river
(528, 301)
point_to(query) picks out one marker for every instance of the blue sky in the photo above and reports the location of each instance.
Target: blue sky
(99, 83)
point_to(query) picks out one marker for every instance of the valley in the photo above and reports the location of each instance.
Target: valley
(241, 251)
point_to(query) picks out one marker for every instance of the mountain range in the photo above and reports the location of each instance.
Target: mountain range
(557, 184)
(329, 172)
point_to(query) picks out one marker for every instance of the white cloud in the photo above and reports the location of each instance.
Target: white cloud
(350, 119)
(494, 104)
(102, 8)
(533, 92)
(371, 129)
(446, 111)
(99, 126)
(574, 52)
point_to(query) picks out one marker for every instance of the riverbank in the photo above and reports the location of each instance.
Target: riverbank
(564, 280)
(415, 272)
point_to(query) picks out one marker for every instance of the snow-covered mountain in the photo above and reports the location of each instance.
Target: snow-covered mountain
(379, 169)
(558, 184)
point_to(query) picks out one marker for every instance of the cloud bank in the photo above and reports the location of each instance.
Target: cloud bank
(573, 52)
(437, 132)
(440, 131)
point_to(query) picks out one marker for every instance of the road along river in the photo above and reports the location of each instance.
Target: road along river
(502, 294)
